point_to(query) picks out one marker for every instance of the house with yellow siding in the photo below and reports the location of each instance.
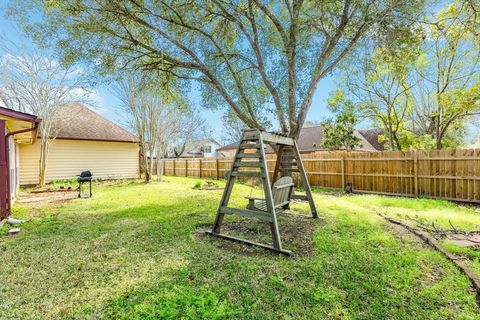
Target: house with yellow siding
(84, 140)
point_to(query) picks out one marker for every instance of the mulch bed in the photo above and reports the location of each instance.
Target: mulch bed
(296, 232)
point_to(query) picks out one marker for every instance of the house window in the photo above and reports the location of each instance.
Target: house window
(207, 149)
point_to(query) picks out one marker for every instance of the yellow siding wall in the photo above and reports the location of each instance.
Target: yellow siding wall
(67, 158)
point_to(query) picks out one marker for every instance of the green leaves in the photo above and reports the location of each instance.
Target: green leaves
(340, 134)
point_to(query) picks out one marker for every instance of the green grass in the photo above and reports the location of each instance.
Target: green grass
(136, 251)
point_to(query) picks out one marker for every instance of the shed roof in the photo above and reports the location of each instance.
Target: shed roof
(77, 122)
(25, 123)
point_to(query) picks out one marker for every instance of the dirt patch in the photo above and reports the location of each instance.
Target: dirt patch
(296, 232)
(35, 200)
(464, 240)
(50, 190)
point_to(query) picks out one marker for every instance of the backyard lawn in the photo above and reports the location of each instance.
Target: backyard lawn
(137, 251)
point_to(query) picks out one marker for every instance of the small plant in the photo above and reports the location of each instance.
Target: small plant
(198, 183)
(65, 184)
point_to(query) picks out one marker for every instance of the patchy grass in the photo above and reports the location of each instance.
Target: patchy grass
(136, 251)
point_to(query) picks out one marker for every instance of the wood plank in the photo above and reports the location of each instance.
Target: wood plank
(250, 164)
(289, 169)
(261, 215)
(247, 174)
(275, 138)
(249, 146)
(277, 242)
(305, 182)
(251, 243)
(248, 155)
(250, 136)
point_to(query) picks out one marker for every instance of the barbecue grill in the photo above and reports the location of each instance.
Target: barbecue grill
(85, 176)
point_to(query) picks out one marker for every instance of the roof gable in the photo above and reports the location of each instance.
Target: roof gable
(77, 122)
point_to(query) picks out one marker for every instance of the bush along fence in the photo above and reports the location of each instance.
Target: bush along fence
(452, 174)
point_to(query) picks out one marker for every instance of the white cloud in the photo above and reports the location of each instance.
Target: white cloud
(95, 101)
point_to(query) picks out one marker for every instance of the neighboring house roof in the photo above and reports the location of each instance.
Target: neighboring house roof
(201, 142)
(193, 148)
(371, 136)
(310, 139)
(77, 122)
(229, 147)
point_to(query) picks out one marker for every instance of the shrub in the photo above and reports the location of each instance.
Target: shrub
(198, 183)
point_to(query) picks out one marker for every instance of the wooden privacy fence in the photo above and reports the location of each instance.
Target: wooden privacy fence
(452, 174)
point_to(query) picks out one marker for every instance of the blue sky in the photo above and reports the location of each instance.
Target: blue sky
(109, 106)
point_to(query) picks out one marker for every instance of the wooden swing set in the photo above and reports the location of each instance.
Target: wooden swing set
(250, 161)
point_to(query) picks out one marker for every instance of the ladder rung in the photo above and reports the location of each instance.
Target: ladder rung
(248, 155)
(247, 174)
(290, 169)
(249, 146)
(248, 164)
(250, 137)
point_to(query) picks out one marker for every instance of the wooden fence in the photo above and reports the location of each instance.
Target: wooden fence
(452, 174)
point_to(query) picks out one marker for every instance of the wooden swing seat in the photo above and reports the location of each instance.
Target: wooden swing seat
(281, 192)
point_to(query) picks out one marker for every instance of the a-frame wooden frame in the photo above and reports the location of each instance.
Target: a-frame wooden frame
(251, 148)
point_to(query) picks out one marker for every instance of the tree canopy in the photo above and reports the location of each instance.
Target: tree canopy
(257, 57)
(422, 84)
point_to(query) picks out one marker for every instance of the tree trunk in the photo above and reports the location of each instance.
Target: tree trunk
(391, 139)
(145, 165)
(159, 169)
(150, 166)
(42, 163)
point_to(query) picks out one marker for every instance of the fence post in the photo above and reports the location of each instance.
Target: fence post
(343, 171)
(415, 168)
(216, 168)
(200, 168)
(174, 173)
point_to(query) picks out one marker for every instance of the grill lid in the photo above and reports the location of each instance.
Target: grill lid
(86, 174)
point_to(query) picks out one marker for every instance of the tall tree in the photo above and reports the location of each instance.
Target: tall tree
(256, 56)
(191, 126)
(420, 82)
(150, 110)
(30, 82)
(448, 74)
(377, 80)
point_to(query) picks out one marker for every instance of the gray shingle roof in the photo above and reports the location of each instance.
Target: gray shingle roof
(78, 122)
